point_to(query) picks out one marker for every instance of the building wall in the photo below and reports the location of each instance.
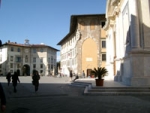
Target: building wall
(9, 62)
(3, 60)
(128, 32)
(69, 52)
(85, 46)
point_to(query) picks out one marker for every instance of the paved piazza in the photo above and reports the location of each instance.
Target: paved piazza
(55, 95)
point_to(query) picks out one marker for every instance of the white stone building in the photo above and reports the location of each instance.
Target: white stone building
(26, 57)
(128, 41)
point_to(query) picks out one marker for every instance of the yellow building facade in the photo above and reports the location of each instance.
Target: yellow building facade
(84, 47)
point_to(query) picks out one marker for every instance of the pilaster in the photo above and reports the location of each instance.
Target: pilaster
(134, 27)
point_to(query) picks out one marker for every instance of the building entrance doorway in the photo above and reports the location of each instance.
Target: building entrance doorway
(26, 70)
(89, 72)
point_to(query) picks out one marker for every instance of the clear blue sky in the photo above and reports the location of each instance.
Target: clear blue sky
(42, 21)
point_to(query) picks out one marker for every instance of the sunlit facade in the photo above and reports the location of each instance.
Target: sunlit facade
(128, 42)
(84, 47)
(26, 57)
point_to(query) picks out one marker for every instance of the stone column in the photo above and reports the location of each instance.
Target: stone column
(134, 26)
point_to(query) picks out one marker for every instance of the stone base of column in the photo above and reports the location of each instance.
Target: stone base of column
(140, 81)
(137, 69)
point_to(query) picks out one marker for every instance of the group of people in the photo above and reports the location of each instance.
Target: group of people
(15, 80)
(2, 93)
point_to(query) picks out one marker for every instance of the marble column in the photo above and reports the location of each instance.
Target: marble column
(134, 26)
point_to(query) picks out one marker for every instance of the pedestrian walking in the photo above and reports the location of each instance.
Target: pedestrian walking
(8, 77)
(83, 74)
(2, 98)
(15, 79)
(71, 75)
(36, 78)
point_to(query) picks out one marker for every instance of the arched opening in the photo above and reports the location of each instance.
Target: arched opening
(26, 70)
(89, 55)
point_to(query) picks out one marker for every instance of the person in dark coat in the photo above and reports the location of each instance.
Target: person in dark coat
(15, 78)
(36, 78)
(71, 75)
(2, 98)
(8, 77)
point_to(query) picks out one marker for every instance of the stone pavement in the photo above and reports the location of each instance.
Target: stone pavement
(55, 95)
(48, 86)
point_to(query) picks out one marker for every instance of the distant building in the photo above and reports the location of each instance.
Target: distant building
(26, 57)
(128, 41)
(84, 47)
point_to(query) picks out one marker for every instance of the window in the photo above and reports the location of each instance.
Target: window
(34, 59)
(18, 59)
(34, 50)
(18, 50)
(0, 66)
(11, 58)
(52, 59)
(41, 65)
(49, 60)
(48, 66)
(103, 44)
(51, 66)
(12, 49)
(34, 66)
(103, 57)
(11, 65)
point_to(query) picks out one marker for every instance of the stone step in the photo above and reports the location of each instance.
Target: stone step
(116, 93)
(101, 87)
(80, 84)
(119, 90)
